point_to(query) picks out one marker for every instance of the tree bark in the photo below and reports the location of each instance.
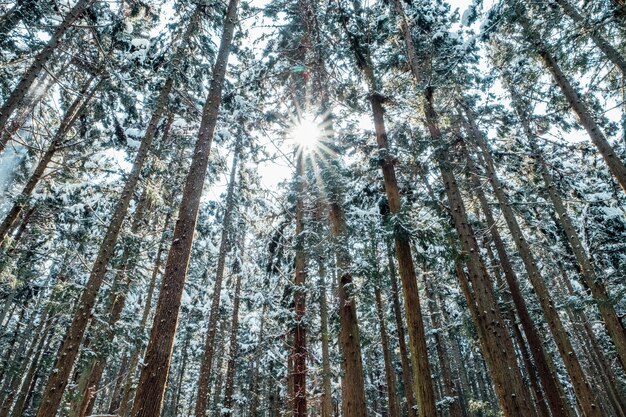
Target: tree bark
(327, 396)
(390, 377)
(153, 378)
(397, 312)
(229, 389)
(40, 60)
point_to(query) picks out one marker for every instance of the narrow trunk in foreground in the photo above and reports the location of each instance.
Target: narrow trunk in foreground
(153, 378)
(229, 389)
(327, 399)
(390, 374)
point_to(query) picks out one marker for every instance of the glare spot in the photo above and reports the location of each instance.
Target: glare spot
(305, 134)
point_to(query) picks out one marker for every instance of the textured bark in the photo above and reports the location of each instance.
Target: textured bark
(609, 51)
(404, 355)
(577, 104)
(299, 352)
(495, 340)
(558, 404)
(40, 60)
(390, 377)
(153, 378)
(74, 111)
(581, 386)
(353, 402)
(209, 341)
(613, 325)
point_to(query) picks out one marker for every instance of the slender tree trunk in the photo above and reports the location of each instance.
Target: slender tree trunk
(327, 396)
(609, 51)
(397, 312)
(581, 386)
(450, 390)
(255, 392)
(392, 397)
(558, 404)
(40, 60)
(209, 341)
(576, 102)
(614, 326)
(299, 352)
(153, 378)
(74, 111)
(233, 351)
(353, 383)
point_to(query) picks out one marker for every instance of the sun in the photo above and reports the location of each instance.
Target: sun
(305, 133)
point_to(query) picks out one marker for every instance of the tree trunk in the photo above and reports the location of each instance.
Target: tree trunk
(209, 341)
(583, 391)
(327, 396)
(397, 312)
(153, 378)
(576, 102)
(40, 60)
(352, 383)
(392, 397)
(423, 384)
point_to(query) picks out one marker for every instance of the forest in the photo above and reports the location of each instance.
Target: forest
(301, 208)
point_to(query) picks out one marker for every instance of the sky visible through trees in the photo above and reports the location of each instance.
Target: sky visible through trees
(293, 208)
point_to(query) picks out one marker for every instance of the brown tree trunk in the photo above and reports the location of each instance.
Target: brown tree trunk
(153, 378)
(558, 404)
(229, 389)
(74, 111)
(40, 60)
(327, 396)
(576, 102)
(581, 386)
(390, 377)
(397, 312)
(423, 384)
(209, 341)
(299, 352)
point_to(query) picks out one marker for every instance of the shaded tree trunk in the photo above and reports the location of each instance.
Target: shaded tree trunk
(229, 389)
(327, 396)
